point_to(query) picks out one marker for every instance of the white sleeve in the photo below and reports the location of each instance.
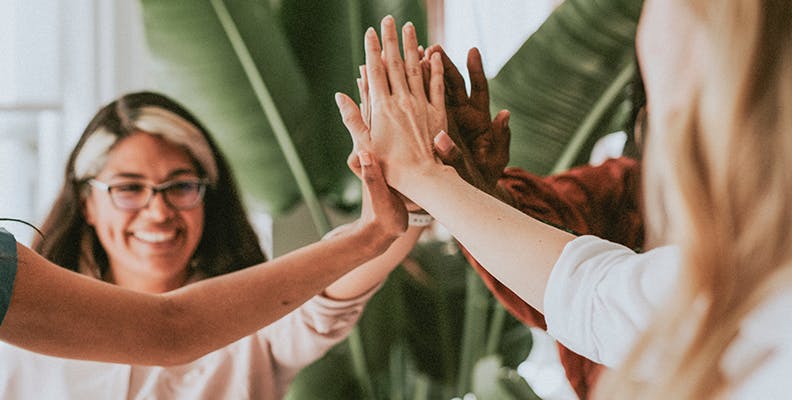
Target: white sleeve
(307, 333)
(601, 295)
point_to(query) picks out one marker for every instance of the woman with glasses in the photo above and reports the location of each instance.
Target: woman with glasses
(149, 204)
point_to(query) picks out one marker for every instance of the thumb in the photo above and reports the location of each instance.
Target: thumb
(371, 175)
(353, 119)
(448, 151)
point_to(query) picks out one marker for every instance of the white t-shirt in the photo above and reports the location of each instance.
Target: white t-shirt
(601, 295)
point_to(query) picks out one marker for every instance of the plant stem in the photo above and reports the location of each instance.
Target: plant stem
(586, 129)
(422, 384)
(473, 336)
(495, 329)
(274, 117)
(359, 364)
(355, 35)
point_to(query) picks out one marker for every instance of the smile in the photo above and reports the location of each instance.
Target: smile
(154, 237)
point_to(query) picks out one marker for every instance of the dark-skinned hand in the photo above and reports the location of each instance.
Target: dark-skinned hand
(476, 146)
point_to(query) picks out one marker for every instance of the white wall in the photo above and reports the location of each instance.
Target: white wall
(497, 27)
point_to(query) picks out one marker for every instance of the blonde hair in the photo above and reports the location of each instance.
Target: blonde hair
(719, 183)
(154, 121)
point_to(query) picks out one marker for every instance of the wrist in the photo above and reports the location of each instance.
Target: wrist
(370, 239)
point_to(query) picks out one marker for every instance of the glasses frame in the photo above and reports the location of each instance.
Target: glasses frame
(154, 189)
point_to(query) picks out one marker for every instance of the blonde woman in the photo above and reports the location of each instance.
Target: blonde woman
(705, 316)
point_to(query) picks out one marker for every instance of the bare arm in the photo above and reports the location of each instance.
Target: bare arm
(58, 312)
(365, 277)
(518, 250)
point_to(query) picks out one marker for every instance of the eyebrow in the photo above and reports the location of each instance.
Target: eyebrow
(171, 175)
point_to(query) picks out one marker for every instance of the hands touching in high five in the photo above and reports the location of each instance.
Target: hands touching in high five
(403, 119)
(400, 127)
(464, 137)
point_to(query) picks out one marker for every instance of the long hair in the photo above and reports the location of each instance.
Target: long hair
(228, 242)
(719, 184)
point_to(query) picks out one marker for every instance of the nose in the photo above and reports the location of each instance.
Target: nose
(158, 208)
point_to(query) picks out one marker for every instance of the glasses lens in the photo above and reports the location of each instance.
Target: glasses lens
(185, 194)
(130, 195)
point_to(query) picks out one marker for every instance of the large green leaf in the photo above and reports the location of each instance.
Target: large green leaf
(303, 52)
(192, 59)
(565, 86)
(327, 40)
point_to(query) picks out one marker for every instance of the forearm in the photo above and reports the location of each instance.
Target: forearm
(362, 279)
(516, 249)
(58, 312)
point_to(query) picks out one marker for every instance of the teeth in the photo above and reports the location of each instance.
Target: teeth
(155, 237)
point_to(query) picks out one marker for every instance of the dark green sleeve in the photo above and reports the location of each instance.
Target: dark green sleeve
(8, 268)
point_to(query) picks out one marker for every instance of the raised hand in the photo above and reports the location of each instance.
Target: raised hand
(478, 147)
(402, 117)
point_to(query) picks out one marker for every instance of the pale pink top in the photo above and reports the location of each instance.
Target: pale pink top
(259, 366)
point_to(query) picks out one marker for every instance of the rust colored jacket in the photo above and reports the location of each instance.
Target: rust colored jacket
(599, 200)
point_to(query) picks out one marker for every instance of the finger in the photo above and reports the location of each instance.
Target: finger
(479, 91)
(394, 64)
(367, 100)
(454, 82)
(375, 69)
(412, 67)
(426, 72)
(353, 121)
(353, 162)
(372, 177)
(448, 151)
(501, 135)
(436, 85)
(365, 103)
(421, 52)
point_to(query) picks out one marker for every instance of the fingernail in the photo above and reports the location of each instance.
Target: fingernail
(339, 99)
(409, 27)
(443, 142)
(506, 118)
(365, 158)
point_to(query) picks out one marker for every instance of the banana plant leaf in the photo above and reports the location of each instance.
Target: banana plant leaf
(565, 87)
(193, 60)
(327, 40)
(303, 52)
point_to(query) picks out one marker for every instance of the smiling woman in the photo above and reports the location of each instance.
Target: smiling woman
(147, 139)
(149, 237)
(149, 204)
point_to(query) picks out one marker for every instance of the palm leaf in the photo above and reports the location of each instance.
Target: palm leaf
(194, 60)
(565, 86)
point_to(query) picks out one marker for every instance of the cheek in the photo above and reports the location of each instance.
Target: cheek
(194, 219)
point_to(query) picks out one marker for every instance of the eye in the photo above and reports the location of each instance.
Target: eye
(129, 188)
(184, 187)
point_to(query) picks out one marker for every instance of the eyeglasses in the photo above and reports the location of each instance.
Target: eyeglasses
(182, 194)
